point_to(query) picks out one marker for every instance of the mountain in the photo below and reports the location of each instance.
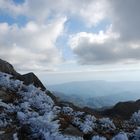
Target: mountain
(96, 94)
(90, 88)
(28, 112)
(123, 109)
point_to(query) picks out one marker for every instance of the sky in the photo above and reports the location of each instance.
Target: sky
(71, 40)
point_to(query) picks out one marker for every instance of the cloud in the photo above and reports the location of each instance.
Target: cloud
(37, 39)
(90, 11)
(8, 6)
(103, 48)
(125, 18)
(120, 44)
(32, 46)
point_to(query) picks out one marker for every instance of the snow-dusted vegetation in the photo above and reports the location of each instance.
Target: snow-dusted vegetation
(34, 109)
(137, 134)
(98, 138)
(136, 118)
(106, 123)
(121, 136)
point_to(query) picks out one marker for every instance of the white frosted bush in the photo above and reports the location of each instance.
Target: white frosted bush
(120, 136)
(98, 138)
(137, 134)
(67, 110)
(107, 123)
(136, 118)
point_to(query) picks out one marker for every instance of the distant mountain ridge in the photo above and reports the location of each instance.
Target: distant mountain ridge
(123, 109)
(96, 94)
(95, 88)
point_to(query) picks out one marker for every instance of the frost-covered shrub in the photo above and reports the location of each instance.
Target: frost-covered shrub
(8, 83)
(67, 110)
(35, 109)
(4, 120)
(136, 118)
(15, 137)
(90, 119)
(4, 105)
(3, 123)
(106, 123)
(56, 110)
(25, 105)
(48, 136)
(87, 125)
(43, 124)
(98, 138)
(76, 121)
(4, 80)
(78, 113)
(21, 117)
(37, 99)
(120, 136)
(137, 134)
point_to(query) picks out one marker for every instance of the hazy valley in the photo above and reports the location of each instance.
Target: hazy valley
(96, 94)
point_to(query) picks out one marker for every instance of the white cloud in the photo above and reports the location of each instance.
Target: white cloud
(120, 45)
(99, 38)
(37, 39)
(32, 46)
(103, 48)
(8, 6)
(90, 11)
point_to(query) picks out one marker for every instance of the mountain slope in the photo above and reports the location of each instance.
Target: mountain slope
(96, 94)
(29, 78)
(123, 109)
(30, 113)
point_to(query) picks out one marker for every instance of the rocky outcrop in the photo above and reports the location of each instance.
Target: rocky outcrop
(7, 68)
(123, 110)
(29, 78)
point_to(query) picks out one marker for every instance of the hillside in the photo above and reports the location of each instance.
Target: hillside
(96, 94)
(30, 112)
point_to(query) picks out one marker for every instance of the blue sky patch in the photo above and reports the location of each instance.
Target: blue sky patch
(18, 1)
(20, 20)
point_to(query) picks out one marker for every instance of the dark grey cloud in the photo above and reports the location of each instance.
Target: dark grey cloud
(125, 17)
(107, 53)
(97, 49)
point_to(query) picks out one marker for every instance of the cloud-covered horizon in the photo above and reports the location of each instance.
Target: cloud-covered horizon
(34, 34)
